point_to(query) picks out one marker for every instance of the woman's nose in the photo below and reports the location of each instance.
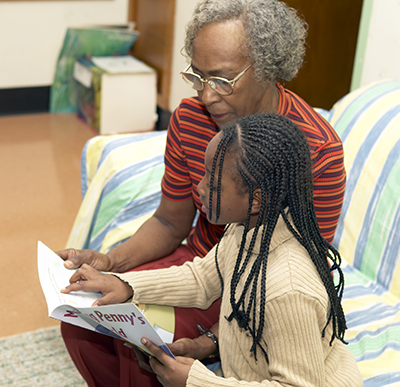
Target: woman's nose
(208, 96)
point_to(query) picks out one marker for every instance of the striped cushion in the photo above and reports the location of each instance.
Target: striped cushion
(368, 236)
(373, 320)
(121, 177)
(368, 233)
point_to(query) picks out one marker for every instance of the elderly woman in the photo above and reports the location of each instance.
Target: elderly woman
(238, 50)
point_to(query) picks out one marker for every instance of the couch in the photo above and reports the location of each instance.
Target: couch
(121, 188)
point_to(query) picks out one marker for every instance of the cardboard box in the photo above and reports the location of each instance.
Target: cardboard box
(116, 94)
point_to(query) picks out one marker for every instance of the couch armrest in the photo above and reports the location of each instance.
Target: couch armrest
(121, 177)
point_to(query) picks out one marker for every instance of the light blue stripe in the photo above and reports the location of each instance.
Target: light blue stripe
(135, 208)
(383, 380)
(125, 217)
(114, 182)
(133, 172)
(358, 165)
(124, 141)
(84, 176)
(358, 106)
(114, 144)
(373, 201)
(132, 211)
(371, 314)
(371, 355)
(356, 291)
(378, 332)
(353, 277)
(391, 253)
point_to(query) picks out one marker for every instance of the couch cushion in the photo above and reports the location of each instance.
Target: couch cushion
(368, 233)
(121, 177)
(373, 321)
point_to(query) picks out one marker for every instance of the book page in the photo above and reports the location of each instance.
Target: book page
(54, 276)
(123, 321)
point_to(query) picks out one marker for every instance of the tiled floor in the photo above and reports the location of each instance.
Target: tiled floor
(39, 198)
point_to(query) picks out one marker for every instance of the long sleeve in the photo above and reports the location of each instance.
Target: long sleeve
(297, 355)
(194, 284)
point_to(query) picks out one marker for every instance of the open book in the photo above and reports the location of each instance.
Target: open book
(123, 321)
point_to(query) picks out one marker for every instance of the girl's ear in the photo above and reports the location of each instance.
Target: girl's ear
(256, 204)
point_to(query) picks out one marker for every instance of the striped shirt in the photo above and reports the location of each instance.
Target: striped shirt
(189, 132)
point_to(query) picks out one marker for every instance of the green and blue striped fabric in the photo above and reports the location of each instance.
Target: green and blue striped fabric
(368, 236)
(368, 233)
(121, 177)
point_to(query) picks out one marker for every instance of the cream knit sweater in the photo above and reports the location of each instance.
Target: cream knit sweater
(296, 312)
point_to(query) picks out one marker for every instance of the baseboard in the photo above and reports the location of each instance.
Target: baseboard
(24, 100)
(28, 100)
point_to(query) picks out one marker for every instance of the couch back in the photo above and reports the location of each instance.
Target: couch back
(368, 233)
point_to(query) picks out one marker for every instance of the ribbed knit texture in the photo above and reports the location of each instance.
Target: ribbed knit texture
(296, 312)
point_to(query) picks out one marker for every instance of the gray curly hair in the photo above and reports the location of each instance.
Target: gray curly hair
(275, 34)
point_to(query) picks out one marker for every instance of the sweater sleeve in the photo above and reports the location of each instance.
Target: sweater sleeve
(194, 284)
(295, 351)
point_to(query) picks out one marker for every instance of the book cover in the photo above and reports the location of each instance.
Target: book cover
(126, 321)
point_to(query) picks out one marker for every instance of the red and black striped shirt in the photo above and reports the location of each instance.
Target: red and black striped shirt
(189, 132)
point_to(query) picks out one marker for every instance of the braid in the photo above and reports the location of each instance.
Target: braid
(272, 156)
(220, 150)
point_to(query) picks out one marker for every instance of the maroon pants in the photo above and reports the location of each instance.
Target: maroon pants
(104, 361)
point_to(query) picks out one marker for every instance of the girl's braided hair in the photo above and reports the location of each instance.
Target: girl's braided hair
(272, 154)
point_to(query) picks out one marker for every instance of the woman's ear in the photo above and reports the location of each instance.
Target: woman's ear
(256, 204)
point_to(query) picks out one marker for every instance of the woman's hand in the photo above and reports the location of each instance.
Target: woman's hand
(199, 348)
(170, 372)
(186, 347)
(75, 258)
(113, 289)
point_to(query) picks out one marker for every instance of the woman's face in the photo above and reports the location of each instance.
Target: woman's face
(217, 52)
(233, 206)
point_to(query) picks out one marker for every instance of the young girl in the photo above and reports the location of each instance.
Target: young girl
(281, 320)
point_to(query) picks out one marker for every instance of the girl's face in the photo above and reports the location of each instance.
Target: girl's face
(233, 206)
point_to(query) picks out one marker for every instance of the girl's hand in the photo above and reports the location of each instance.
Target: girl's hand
(113, 289)
(170, 372)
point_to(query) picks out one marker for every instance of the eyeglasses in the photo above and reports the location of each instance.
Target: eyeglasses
(222, 86)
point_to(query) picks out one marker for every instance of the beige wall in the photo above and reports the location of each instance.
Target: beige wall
(378, 45)
(179, 89)
(382, 56)
(32, 32)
